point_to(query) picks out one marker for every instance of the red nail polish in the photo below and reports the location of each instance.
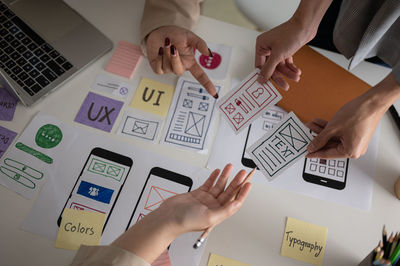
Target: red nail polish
(173, 49)
(167, 41)
(211, 54)
(216, 96)
(160, 51)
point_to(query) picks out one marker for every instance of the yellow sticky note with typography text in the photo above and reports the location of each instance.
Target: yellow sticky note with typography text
(304, 241)
(217, 260)
(79, 227)
(152, 96)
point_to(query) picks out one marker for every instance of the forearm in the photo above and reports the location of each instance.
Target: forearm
(308, 16)
(384, 94)
(150, 236)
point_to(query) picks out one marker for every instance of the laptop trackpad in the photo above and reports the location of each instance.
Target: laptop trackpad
(50, 18)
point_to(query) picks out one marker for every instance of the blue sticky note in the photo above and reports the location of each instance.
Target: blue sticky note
(95, 192)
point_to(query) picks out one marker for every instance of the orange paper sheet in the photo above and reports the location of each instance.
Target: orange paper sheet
(323, 88)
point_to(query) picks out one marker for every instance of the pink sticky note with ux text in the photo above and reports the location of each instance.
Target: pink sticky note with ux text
(125, 59)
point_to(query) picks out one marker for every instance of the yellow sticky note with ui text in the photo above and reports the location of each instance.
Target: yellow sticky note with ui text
(154, 97)
(79, 227)
(304, 241)
(217, 260)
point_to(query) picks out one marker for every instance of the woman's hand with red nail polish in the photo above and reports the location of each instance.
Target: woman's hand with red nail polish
(170, 50)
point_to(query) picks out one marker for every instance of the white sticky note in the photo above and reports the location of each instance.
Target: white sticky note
(190, 116)
(281, 147)
(245, 103)
(216, 67)
(139, 124)
(110, 85)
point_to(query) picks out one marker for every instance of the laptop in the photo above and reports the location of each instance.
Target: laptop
(43, 43)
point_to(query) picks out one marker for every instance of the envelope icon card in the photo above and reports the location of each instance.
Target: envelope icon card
(157, 196)
(141, 125)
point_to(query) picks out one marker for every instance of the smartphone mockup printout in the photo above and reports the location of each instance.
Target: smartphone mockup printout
(330, 173)
(99, 183)
(270, 117)
(160, 185)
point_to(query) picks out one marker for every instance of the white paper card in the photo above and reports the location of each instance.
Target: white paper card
(245, 103)
(138, 124)
(118, 174)
(108, 84)
(29, 162)
(357, 183)
(190, 117)
(216, 67)
(281, 147)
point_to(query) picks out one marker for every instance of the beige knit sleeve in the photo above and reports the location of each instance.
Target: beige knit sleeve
(157, 13)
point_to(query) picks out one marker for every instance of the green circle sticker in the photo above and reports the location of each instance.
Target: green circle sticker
(48, 136)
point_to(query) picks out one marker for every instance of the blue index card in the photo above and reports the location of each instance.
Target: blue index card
(281, 147)
(95, 192)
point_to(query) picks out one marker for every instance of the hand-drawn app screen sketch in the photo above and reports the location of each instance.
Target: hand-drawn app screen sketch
(160, 185)
(190, 118)
(246, 102)
(270, 117)
(280, 148)
(99, 183)
(330, 173)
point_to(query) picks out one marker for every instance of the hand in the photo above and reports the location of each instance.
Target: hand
(170, 49)
(348, 133)
(210, 204)
(274, 51)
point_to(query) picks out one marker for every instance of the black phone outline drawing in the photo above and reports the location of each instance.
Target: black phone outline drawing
(158, 171)
(114, 157)
(323, 181)
(247, 161)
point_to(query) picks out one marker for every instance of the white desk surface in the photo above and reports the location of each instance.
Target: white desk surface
(254, 235)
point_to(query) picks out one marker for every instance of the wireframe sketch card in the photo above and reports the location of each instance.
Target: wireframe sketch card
(190, 115)
(245, 103)
(281, 147)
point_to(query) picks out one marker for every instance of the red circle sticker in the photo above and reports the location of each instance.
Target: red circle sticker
(210, 62)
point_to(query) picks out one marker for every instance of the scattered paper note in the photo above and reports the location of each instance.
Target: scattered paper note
(99, 111)
(217, 260)
(125, 59)
(79, 228)
(8, 104)
(152, 96)
(281, 147)
(6, 138)
(141, 125)
(216, 67)
(304, 241)
(190, 115)
(245, 103)
(107, 84)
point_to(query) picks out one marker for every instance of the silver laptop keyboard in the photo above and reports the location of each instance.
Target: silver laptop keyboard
(25, 56)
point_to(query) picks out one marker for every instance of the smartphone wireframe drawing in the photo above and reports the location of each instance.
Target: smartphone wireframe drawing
(329, 173)
(159, 186)
(99, 183)
(270, 117)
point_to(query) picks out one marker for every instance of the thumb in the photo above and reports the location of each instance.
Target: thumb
(319, 141)
(198, 43)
